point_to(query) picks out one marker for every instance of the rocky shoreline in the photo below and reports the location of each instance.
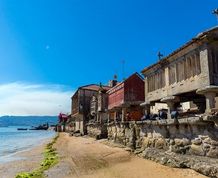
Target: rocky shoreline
(204, 165)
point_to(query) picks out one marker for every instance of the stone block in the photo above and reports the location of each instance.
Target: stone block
(182, 142)
(178, 142)
(197, 141)
(213, 152)
(145, 142)
(186, 141)
(172, 142)
(178, 149)
(160, 143)
(214, 143)
(197, 150)
(206, 147)
(206, 140)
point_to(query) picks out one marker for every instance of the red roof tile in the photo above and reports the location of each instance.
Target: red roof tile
(94, 87)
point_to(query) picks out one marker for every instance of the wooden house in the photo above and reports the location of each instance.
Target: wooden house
(125, 98)
(188, 74)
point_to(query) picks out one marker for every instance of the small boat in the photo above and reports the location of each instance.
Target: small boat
(40, 127)
(21, 128)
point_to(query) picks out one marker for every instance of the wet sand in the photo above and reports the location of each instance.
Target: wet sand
(88, 158)
(31, 161)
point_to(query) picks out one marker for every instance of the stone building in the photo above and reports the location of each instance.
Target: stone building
(80, 108)
(97, 125)
(188, 74)
(125, 98)
(99, 105)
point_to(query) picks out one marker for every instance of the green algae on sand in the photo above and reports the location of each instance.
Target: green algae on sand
(50, 159)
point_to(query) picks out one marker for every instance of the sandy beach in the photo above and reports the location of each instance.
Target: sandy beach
(88, 158)
(31, 160)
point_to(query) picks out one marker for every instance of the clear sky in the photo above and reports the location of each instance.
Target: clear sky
(54, 46)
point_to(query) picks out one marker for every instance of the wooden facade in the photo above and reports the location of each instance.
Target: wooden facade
(124, 99)
(188, 74)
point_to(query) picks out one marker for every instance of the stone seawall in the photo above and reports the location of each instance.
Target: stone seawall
(186, 136)
(97, 130)
(183, 143)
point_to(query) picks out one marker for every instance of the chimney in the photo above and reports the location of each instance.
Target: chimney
(113, 82)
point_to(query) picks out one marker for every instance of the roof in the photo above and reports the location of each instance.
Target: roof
(199, 36)
(120, 83)
(94, 87)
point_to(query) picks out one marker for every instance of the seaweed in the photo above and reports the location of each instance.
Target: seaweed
(50, 159)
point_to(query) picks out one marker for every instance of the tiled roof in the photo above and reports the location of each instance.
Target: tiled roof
(94, 87)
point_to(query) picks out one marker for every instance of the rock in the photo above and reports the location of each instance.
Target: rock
(197, 141)
(213, 152)
(214, 143)
(178, 142)
(196, 150)
(145, 142)
(206, 147)
(178, 149)
(186, 141)
(160, 143)
(206, 166)
(203, 137)
(138, 151)
(128, 149)
(207, 140)
(163, 160)
(182, 142)
(172, 142)
(205, 169)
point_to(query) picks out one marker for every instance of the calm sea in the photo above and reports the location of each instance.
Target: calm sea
(13, 141)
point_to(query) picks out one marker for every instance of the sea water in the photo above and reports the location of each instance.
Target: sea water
(13, 141)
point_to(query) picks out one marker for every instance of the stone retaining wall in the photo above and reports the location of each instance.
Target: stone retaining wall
(195, 135)
(97, 130)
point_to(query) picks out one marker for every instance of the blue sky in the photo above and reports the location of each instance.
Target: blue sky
(75, 42)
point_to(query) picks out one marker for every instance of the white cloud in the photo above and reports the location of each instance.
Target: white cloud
(28, 99)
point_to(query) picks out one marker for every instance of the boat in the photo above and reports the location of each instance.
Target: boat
(40, 127)
(21, 128)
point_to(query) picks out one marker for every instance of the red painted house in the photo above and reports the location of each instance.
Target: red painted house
(125, 98)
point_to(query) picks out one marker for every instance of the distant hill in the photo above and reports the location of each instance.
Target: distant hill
(26, 120)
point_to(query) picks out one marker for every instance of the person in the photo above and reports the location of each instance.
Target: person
(174, 114)
(153, 116)
(145, 117)
(162, 114)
